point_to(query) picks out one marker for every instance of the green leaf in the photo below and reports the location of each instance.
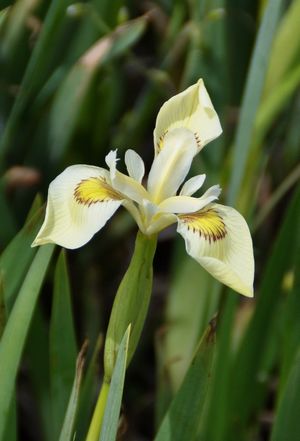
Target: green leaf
(37, 364)
(15, 332)
(15, 25)
(275, 101)
(37, 69)
(131, 302)
(192, 302)
(216, 419)
(181, 421)
(255, 341)
(8, 223)
(85, 406)
(16, 258)
(287, 423)
(113, 405)
(70, 97)
(252, 95)
(62, 345)
(3, 16)
(286, 49)
(69, 420)
(11, 423)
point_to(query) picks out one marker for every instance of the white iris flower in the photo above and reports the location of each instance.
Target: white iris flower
(83, 197)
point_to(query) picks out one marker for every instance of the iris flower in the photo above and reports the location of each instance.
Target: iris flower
(83, 198)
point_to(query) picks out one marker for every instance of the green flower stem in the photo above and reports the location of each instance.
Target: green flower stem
(131, 302)
(95, 427)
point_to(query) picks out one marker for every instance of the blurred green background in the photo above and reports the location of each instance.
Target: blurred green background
(78, 79)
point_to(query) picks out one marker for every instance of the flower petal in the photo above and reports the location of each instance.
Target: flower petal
(218, 238)
(80, 202)
(191, 109)
(129, 187)
(172, 164)
(135, 165)
(111, 161)
(187, 204)
(192, 185)
(160, 221)
(122, 183)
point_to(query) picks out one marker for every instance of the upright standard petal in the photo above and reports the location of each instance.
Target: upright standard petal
(135, 165)
(80, 202)
(127, 185)
(191, 109)
(192, 185)
(172, 164)
(218, 238)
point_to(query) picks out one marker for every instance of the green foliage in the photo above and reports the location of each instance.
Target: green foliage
(62, 345)
(112, 410)
(66, 433)
(131, 302)
(16, 329)
(80, 78)
(183, 416)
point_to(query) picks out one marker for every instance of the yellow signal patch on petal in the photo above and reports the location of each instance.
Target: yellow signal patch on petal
(208, 223)
(92, 190)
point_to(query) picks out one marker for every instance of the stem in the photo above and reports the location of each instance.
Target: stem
(95, 426)
(131, 302)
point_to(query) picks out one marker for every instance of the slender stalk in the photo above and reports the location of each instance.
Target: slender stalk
(96, 423)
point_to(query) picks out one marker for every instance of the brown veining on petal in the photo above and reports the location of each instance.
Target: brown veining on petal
(208, 223)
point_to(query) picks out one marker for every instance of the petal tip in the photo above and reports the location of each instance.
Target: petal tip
(249, 293)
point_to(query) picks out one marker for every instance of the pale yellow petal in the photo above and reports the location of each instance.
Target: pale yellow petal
(129, 187)
(191, 109)
(218, 238)
(171, 165)
(192, 185)
(135, 165)
(188, 204)
(80, 202)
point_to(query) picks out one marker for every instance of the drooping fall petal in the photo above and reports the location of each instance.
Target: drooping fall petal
(80, 202)
(218, 238)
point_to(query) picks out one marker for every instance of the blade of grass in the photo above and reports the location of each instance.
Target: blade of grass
(287, 425)
(187, 315)
(3, 16)
(275, 102)
(252, 95)
(70, 97)
(252, 347)
(15, 332)
(111, 415)
(69, 420)
(181, 421)
(18, 255)
(87, 394)
(215, 421)
(37, 364)
(15, 24)
(36, 69)
(291, 316)
(286, 49)
(276, 196)
(62, 345)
